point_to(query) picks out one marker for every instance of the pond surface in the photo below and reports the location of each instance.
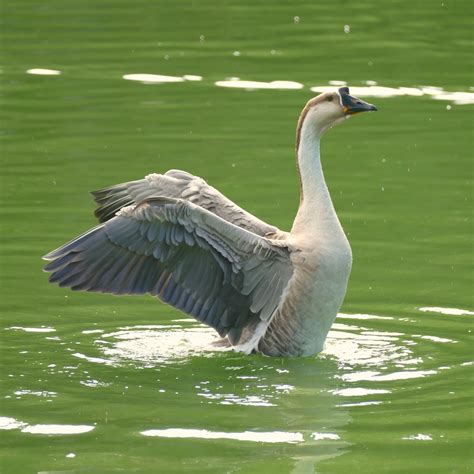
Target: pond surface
(97, 93)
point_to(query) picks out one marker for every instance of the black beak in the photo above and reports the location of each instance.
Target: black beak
(353, 105)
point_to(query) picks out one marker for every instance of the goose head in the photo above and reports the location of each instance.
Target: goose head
(328, 109)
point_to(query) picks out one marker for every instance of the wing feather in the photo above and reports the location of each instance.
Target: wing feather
(223, 275)
(176, 184)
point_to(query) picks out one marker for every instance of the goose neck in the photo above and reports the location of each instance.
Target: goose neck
(316, 214)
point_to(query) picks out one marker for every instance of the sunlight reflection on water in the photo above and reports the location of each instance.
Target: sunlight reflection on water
(26, 329)
(159, 345)
(351, 345)
(250, 85)
(371, 89)
(448, 311)
(43, 72)
(8, 423)
(160, 79)
(360, 364)
(259, 437)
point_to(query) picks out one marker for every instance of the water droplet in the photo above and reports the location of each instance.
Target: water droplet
(296, 20)
(202, 38)
(448, 107)
(347, 29)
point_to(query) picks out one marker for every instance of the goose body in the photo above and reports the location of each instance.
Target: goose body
(175, 237)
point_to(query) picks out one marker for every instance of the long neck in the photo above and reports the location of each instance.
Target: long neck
(316, 215)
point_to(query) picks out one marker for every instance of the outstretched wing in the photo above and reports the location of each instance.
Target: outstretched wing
(179, 185)
(223, 275)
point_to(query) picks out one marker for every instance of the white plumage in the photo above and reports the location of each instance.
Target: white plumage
(175, 237)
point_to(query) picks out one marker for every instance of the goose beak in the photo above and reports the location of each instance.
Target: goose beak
(352, 105)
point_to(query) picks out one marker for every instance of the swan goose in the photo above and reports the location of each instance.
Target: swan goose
(177, 238)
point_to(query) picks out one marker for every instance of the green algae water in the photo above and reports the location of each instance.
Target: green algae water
(97, 93)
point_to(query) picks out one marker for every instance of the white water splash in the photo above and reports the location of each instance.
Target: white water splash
(367, 348)
(160, 344)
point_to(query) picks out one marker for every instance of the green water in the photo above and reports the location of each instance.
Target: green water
(392, 391)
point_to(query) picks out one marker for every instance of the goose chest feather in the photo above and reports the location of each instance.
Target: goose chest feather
(176, 238)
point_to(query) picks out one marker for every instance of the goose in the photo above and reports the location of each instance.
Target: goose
(175, 237)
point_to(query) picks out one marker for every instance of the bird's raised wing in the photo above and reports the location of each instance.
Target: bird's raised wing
(223, 275)
(179, 185)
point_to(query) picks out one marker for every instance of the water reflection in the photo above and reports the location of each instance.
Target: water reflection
(57, 429)
(359, 391)
(419, 437)
(8, 423)
(158, 343)
(97, 360)
(305, 402)
(370, 89)
(160, 79)
(350, 345)
(448, 311)
(438, 93)
(378, 377)
(253, 85)
(318, 436)
(43, 72)
(255, 436)
(26, 329)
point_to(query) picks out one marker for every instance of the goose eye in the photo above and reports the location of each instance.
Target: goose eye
(330, 98)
